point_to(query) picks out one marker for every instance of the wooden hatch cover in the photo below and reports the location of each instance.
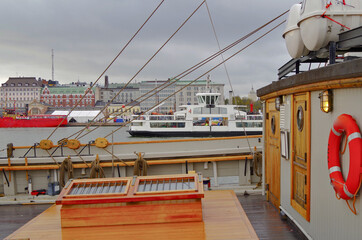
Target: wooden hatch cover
(131, 200)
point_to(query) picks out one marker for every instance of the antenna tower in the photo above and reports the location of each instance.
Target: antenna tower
(53, 65)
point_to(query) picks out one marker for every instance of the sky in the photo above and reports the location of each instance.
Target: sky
(86, 35)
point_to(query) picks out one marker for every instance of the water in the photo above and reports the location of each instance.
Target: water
(29, 136)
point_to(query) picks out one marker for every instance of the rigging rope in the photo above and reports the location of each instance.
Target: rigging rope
(148, 61)
(227, 73)
(140, 165)
(218, 44)
(96, 169)
(192, 69)
(191, 82)
(90, 87)
(66, 166)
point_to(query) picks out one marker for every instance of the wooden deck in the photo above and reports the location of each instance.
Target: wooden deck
(266, 219)
(224, 218)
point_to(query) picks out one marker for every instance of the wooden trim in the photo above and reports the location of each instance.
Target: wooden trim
(160, 141)
(126, 180)
(308, 153)
(26, 164)
(130, 195)
(333, 84)
(121, 164)
(299, 209)
(303, 212)
(292, 149)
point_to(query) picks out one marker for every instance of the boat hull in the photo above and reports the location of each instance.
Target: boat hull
(8, 122)
(192, 133)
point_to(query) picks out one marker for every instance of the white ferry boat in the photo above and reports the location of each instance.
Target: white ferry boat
(206, 119)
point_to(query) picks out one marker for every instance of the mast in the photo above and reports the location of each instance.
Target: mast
(208, 88)
(53, 65)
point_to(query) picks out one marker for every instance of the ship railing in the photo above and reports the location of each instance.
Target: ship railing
(155, 117)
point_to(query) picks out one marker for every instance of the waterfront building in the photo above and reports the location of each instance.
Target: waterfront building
(68, 96)
(19, 91)
(125, 111)
(148, 88)
(155, 99)
(110, 91)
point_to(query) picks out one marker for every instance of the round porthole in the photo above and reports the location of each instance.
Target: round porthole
(272, 124)
(300, 118)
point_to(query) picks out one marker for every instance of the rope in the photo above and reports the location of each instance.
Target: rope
(10, 150)
(325, 16)
(148, 61)
(78, 155)
(52, 158)
(116, 157)
(354, 211)
(257, 160)
(191, 82)
(256, 163)
(227, 73)
(96, 169)
(140, 165)
(192, 69)
(109, 66)
(345, 146)
(218, 44)
(66, 166)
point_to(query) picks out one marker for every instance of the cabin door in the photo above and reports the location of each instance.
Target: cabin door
(301, 154)
(272, 152)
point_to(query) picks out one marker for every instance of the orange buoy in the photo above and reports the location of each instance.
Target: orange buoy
(349, 188)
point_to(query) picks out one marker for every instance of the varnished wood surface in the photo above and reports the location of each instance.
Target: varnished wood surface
(161, 141)
(224, 218)
(135, 213)
(272, 153)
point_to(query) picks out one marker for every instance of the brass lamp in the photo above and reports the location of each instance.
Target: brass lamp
(326, 99)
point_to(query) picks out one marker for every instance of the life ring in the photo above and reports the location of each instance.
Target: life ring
(349, 188)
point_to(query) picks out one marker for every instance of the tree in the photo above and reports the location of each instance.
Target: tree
(237, 100)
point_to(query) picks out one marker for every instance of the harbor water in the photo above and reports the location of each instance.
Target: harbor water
(31, 136)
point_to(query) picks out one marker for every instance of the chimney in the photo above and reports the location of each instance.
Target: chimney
(230, 97)
(106, 83)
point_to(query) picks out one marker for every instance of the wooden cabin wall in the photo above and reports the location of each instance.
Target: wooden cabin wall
(272, 152)
(330, 218)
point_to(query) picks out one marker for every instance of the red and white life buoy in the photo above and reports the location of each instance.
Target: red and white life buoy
(345, 189)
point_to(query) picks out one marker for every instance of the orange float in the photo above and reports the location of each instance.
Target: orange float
(349, 188)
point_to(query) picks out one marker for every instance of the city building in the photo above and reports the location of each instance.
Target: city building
(252, 95)
(110, 91)
(17, 92)
(124, 111)
(155, 99)
(68, 96)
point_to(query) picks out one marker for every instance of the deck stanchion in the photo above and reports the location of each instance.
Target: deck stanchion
(9, 164)
(26, 171)
(214, 164)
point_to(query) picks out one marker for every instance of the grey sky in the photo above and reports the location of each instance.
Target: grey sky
(87, 34)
